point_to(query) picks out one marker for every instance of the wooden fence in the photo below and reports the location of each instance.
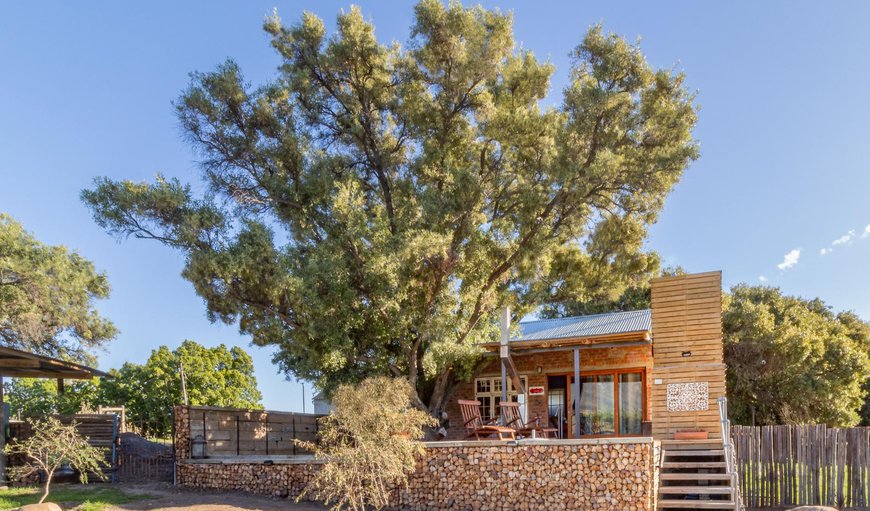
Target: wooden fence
(100, 430)
(786, 466)
(232, 432)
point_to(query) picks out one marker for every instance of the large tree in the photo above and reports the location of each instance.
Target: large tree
(369, 210)
(47, 296)
(217, 376)
(792, 360)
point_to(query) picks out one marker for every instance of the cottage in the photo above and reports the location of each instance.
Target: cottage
(616, 390)
(650, 372)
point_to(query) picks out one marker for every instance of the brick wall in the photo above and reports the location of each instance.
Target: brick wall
(554, 363)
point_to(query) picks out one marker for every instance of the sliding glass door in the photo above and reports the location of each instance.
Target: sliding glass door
(611, 403)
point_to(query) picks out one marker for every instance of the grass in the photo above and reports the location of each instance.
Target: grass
(84, 498)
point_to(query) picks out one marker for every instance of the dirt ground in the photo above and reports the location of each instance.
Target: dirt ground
(171, 498)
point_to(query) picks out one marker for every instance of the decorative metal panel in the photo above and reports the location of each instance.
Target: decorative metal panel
(688, 397)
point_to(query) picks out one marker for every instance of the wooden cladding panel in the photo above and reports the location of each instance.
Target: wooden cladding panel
(687, 348)
(230, 432)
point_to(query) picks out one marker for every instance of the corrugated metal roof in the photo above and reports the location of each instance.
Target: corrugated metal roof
(585, 326)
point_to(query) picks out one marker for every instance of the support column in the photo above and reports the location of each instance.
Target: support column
(3, 421)
(505, 331)
(575, 392)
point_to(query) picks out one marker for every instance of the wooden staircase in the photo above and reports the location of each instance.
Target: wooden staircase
(693, 476)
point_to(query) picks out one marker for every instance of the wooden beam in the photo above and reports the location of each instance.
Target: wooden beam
(18, 362)
(60, 387)
(508, 368)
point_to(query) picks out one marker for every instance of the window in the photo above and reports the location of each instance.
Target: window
(611, 403)
(488, 392)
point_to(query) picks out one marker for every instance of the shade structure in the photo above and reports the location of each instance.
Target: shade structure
(23, 364)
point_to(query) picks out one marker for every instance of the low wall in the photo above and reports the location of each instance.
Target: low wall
(611, 474)
(602, 474)
(275, 477)
(605, 474)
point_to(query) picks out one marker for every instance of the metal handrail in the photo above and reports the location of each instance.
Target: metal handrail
(728, 447)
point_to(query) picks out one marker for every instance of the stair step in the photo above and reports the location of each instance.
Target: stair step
(696, 452)
(695, 504)
(694, 477)
(691, 444)
(695, 490)
(693, 464)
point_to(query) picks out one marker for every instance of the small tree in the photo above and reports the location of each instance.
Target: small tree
(370, 443)
(54, 444)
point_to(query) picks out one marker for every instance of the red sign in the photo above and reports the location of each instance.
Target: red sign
(536, 391)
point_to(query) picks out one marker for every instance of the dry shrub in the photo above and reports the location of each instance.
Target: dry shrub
(369, 443)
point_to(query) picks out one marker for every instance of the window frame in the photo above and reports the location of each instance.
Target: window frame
(493, 396)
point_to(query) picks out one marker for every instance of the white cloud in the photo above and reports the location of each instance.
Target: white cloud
(866, 231)
(846, 238)
(762, 278)
(826, 251)
(790, 259)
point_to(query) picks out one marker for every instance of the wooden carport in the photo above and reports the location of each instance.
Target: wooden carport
(23, 364)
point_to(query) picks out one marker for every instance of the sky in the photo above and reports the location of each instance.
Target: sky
(779, 195)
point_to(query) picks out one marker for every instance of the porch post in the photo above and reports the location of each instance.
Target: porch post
(505, 328)
(576, 393)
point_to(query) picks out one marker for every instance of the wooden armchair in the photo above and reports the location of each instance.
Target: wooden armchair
(514, 420)
(476, 427)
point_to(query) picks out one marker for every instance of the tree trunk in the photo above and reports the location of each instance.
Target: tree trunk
(48, 477)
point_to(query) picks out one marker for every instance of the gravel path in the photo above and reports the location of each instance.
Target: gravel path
(171, 498)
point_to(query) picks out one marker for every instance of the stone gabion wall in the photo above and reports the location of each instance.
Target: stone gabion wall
(277, 480)
(181, 417)
(485, 476)
(556, 476)
(560, 475)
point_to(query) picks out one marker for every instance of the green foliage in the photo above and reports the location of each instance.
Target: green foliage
(607, 298)
(370, 210)
(369, 443)
(34, 397)
(94, 498)
(51, 445)
(218, 376)
(47, 295)
(792, 360)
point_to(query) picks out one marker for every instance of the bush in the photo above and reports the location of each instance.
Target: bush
(52, 445)
(369, 443)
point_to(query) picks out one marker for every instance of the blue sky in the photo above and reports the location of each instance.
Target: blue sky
(85, 91)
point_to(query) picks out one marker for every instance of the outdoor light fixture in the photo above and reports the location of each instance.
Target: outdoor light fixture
(687, 353)
(540, 369)
(197, 447)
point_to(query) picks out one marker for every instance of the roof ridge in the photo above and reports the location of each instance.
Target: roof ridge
(584, 316)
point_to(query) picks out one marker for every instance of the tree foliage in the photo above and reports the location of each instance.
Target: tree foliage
(217, 376)
(37, 397)
(47, 296)
(369, 210)
(51, 445)
(792, 360)
(636, 296)
(369, 444)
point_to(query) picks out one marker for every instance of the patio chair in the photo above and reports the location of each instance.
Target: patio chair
(476, 427)
(514, 420)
